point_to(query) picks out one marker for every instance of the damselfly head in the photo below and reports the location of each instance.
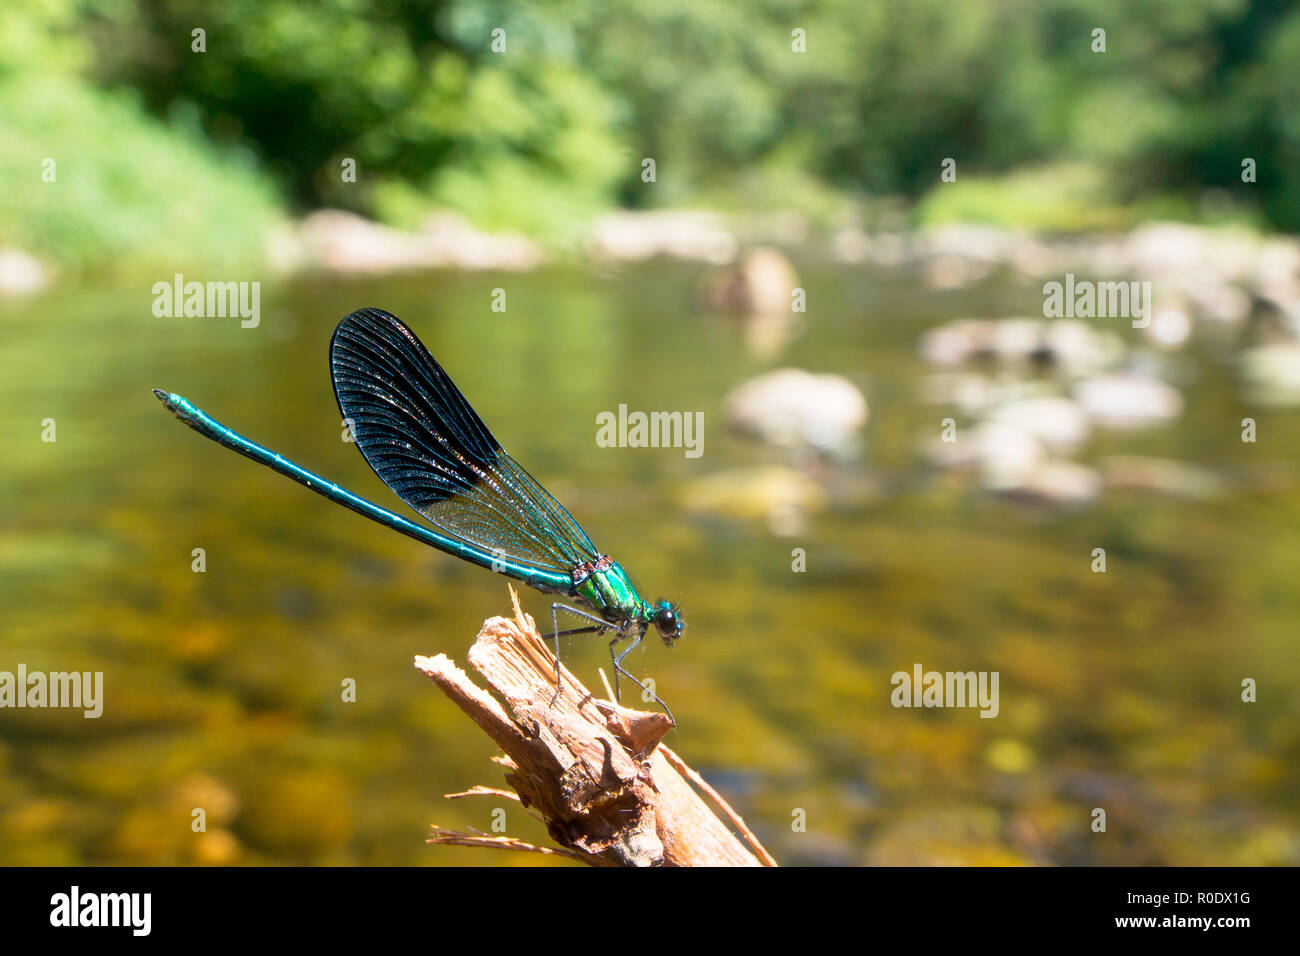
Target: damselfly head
(668, 622)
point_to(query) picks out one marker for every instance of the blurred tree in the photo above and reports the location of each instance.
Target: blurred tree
(412, 90)
(553, 126)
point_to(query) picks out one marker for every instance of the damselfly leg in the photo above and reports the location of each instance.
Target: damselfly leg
(556, 634)
(618, 669)
(598, 625)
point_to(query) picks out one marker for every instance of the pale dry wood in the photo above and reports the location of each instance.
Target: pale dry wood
(693, 776)
(444, 837)
(593, 769)
(480, 791)
(686, 771)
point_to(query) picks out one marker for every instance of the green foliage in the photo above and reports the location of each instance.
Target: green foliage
(129, 192)
(1055, 199)
(40, 36)
(543, 134)
(528, 155)
(1058, 198)
(412, 91)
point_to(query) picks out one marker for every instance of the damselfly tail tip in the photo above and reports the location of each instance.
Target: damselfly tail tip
(172, 403)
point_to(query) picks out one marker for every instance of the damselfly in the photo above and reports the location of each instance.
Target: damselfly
(426, 442)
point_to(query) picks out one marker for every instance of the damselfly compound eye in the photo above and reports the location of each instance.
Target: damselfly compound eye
(667, 623)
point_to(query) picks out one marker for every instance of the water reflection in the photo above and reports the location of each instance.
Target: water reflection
(223, 687)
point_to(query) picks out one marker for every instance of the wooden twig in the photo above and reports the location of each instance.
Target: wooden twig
(594, 770)
(444, 837)
(681, 767)
(686, 771)
(481, 791)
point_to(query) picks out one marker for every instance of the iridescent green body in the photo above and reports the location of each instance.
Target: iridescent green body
(603, 585)
(611, 594)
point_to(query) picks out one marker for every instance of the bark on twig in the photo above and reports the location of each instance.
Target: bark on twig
(595, 772)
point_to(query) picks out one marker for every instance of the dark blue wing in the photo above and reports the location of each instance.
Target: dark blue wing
(426, 442)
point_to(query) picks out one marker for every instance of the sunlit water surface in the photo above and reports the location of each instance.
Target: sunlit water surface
(1118, 690)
